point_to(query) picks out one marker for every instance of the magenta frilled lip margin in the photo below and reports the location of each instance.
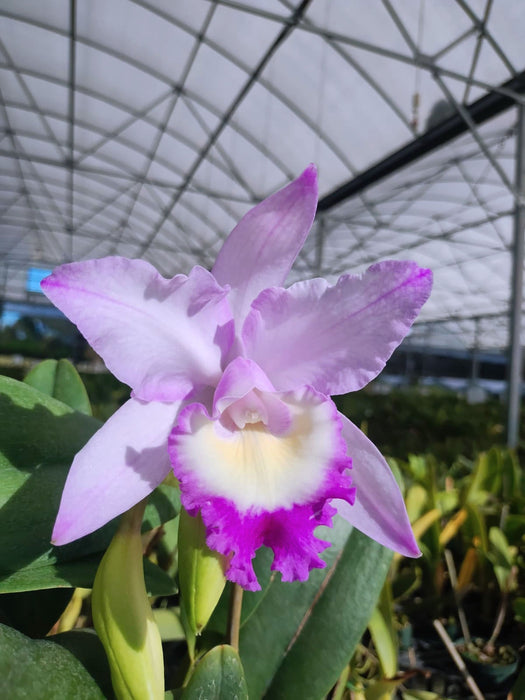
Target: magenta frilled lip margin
(231, 377)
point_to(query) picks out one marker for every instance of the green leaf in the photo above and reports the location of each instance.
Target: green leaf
(40, 669)
(78, 573)
(308, 631)
(60, 380)
(422, 695)
(158, 582)
(416, 499)
(384, 636)
(382, 690)
(167, 550)
(486, 478)
(39, 436)
(163, 505)
(518, 689)
(406, 582)
(169, 624)
(511, 475)
(217, 676)
(519, 609)
(515, 526)
(447, 501)
(85, 645)
(503, 558)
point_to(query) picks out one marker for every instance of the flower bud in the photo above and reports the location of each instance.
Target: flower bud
(201, 572)
(123, 617)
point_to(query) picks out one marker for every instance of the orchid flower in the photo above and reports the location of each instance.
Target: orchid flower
(231, 377)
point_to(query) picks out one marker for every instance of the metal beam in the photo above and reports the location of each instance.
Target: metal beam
(70, 160)
(515, 352)
(479, 111)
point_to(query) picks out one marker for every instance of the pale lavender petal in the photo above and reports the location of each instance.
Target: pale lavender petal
(162, 337)
(261, 249)
(335, 338)
(379, 510)
(121, 464)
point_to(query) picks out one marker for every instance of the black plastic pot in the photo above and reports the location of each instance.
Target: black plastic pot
(487, 674)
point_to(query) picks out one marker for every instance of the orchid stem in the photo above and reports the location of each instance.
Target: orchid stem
(131, 520)
(235, 615)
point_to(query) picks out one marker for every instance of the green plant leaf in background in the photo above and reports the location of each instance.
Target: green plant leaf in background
(416, 500)
(384, 635)
(519, 609)
(486, 477)
(422, 695)
(59, 379)
(518, 689)
(503, 558)
(41, 669)
(299, 636)
(217, 676)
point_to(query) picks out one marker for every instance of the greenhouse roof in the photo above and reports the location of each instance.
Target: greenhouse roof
(148, 128)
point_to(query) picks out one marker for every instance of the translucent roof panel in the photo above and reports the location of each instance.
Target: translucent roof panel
(147, 128)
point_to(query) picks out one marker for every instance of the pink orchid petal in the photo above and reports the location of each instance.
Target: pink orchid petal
(162, 337)
(261, 249)
(254, 488)
(379, 510)
(335, 338)
(289, 533)
(121, 464)
(253, 467)
(239, 378)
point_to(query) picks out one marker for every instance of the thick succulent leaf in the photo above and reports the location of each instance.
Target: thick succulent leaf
(59, 379)
(27, 667)
(217, 676)
(308, 631)
(78, 573)
(39, 437)
(85, 645)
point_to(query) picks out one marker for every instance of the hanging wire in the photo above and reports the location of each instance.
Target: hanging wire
(416, 97)
(321, 92)
(268, 116)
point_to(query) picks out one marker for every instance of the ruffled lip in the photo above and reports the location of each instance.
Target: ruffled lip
(255, 488)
